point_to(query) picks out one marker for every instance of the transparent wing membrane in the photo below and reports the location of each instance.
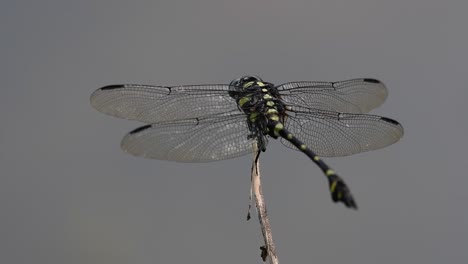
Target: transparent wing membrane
(152, 104)
(197, 123)
(350, 96)
(193, 140)
(333, 134)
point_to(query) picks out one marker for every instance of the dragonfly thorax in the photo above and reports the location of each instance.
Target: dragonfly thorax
(261, 103)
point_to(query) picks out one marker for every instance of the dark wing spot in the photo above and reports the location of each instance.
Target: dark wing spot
(369, 80)
(389, 120)
(139, 129)
(112, 87)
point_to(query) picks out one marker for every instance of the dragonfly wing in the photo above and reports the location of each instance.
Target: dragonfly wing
(152, 104)
(191, 140)
(333, 134)
(350, 96)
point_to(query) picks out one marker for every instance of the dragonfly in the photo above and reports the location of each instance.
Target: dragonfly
(210, 122)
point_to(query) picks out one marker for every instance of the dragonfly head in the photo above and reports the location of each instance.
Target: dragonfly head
(246, 81)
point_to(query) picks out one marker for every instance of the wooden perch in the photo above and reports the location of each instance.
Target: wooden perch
(268, 250)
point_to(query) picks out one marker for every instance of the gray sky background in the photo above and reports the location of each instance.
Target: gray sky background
(68, 194)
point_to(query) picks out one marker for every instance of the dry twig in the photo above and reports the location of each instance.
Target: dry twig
(268, 250)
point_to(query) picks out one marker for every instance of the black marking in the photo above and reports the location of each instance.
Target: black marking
(370, 80)
(112, 87)
(139, 129)
(338, 116)
(333, 85)
(389, 120)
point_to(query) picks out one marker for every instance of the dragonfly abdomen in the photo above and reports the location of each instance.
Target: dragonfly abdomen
(338, 189)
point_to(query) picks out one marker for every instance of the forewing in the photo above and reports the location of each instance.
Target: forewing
(192, 140)
(333, 134)
(350, 96)
(152, 104)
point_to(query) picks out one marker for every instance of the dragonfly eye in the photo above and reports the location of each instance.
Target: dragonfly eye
(236, 82)
(252, 78)
(240, 82)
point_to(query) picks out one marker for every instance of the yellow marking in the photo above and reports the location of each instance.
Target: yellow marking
(289, 136)
(253, 116)
(329, 172)
(244, 100)
(270, 103)
(316, 158)
(340, 195)
(278, 127)
(303, 147)
(267, 96)
(274, 118)
(333, 186)
(247, 85)
(264, 90)
(272, 111)
(260, 84)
